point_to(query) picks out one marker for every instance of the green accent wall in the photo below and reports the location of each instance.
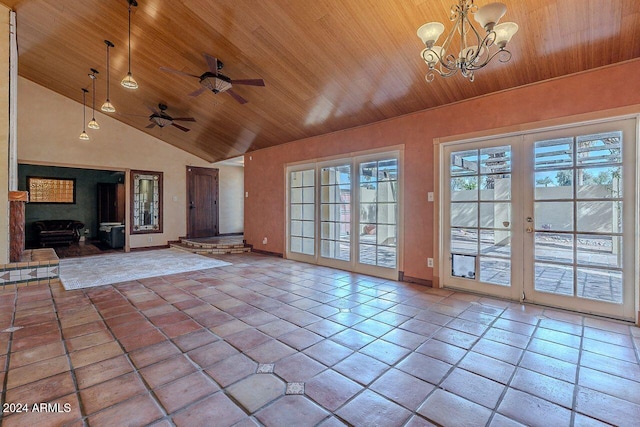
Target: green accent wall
(86, 207)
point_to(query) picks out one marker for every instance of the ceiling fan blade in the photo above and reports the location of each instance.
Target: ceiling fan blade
(212, 63)
(152, 125)
(182, 73)
(185, 119)
(250, 82)
(153, 110)
(235, 96)
(198, 92)
(182, 128)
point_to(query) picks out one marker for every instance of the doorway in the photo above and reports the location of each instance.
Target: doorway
(202, 202)
(344, 213)
(545, 217)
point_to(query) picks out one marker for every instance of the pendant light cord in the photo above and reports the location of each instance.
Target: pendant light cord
(129, 38)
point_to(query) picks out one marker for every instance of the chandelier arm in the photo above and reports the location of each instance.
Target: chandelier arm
(505, 56)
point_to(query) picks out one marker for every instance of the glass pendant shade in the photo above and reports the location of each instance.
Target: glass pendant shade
(489, 15)
(430, 32)
(129, 82)
(108, 107)
(93, 124)
(83, 136)
(504, 32)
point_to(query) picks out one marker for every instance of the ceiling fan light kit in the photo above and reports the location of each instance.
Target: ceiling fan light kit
(108, 107)
(215, 81)
(128, 81)
(84, 136)
(161, 119)
(474, 51)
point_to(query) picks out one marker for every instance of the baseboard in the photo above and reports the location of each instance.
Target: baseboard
(149, 248)
(409, 279)
(261, 252)
(231, 234)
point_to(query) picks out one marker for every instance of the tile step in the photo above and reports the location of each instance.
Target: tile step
(211, 248)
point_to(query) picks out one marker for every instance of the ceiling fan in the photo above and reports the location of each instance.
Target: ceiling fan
(215, 81)
(162, 119)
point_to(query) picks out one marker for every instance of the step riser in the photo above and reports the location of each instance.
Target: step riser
(211, 250)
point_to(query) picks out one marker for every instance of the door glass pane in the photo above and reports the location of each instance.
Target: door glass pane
(554, 279)
(335, 211)
(600, 183)
(554, 185)
(554, 247)
(386, 235)
(464, 241)
(495, 242)
(495, 187)
(495, 270)
(464, 188)
(367, 254)
(601, 217)
(600, 148)
(554, 153)
(554, 216)
(386, 257)
(495, 159)
(495, 215)
(601, 285)
(464, 163)
(605, 251)
(464, 214)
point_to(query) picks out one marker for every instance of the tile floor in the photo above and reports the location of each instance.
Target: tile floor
(278, 343)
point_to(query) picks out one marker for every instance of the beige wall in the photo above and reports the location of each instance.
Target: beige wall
(230, 198)
(588, 92)
(48, 129)
(4, 134)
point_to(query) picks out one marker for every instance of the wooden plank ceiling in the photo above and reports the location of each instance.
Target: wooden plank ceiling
(327, 64)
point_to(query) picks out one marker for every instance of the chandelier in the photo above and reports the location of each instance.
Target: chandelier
(475, 51)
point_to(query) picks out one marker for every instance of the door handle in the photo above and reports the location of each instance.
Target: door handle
(529, 230)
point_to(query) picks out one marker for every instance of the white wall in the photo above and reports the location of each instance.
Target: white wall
(48, 129)
(4, 134)
(230, 198)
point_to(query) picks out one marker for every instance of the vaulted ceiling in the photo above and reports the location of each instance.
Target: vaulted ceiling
(327, 64)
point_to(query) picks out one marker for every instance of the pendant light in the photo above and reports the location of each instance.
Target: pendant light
(83, 135)
(128, 81)
(108, 107)
(93, 124)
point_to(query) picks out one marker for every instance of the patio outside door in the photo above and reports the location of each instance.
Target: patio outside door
(545, 217)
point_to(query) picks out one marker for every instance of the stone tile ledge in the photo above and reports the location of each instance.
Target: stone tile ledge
(37, 266)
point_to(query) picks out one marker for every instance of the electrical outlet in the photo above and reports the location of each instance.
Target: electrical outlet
(264, 241)
(246, 194)
(430, 262)
(150, 239)
(430, 196)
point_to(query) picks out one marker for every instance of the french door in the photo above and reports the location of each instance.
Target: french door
(545, 217)
(344, 213)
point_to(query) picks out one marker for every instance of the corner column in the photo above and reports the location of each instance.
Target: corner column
(17, 201)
